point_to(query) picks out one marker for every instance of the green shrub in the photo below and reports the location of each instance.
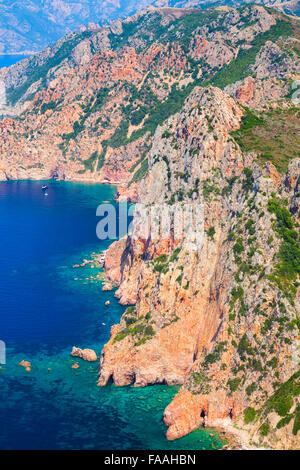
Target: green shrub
(149, 331)
(273, 362)
(234, 384)
(211, 232)
(250, 226)
(283, 406)
(200, 383)
(89, 163)
(251, 388)
(215, 355)
(249, 415)
(248, 182)
(296, 426)
(174, 255)
(130, 320)
(131, 309)
(264, 429)
(237, 293)
(284, 421)
(282, 399)
(50, 105)
(238, 247)
(243, 346)
(141, 172)
(166, 135)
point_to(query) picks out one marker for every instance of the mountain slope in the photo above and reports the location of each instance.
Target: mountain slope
(89, 106)
(32, 25)
(27, 27)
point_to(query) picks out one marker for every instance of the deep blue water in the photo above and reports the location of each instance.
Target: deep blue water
(7, 60)
(46, 307)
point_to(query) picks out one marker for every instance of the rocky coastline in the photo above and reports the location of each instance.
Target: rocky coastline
(203, 119)
(180, 329)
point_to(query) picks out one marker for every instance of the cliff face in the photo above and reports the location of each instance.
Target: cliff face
(161, 297)
(87, 108)
(217, 315)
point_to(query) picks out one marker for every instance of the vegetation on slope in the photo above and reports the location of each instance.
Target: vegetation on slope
(268, 134)
(272, 134)
(284, 402)
(158, 111)
(288, 267)
(40, 72)
(238, 68)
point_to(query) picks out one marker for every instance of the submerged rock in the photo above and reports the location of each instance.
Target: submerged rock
(25, 364)
(107, 286)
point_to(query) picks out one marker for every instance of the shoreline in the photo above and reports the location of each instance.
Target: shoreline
(220, 435)
(236, 439)
(233, 438)
(11, 54)
(73, 180)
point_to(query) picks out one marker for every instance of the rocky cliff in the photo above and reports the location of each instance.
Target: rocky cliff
(87, 108)
(219, 315)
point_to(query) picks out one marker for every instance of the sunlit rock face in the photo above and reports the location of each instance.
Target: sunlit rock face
(201, 314)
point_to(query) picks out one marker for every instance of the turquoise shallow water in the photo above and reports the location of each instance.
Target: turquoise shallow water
(44, 311)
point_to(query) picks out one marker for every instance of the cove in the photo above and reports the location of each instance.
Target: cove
(46, 307)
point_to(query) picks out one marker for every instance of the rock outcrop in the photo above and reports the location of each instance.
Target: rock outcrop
(26, 365)
(85, 354)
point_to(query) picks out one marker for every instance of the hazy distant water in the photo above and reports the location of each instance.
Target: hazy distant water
(7, 60)
(46, 307)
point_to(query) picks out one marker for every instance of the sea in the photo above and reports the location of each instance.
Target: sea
(46, 307)
(7, 60)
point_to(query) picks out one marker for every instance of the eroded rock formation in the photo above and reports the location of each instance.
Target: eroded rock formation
(218, 317)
